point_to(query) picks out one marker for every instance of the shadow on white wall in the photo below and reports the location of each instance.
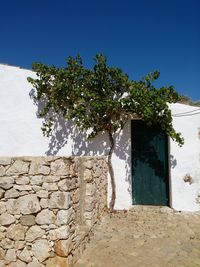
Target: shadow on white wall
(66, 134)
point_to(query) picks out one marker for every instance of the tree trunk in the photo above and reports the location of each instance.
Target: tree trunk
(111, 172)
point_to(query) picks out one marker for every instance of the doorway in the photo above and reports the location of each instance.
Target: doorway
(150, 169)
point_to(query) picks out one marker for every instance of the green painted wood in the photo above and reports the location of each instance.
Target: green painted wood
(150, 175)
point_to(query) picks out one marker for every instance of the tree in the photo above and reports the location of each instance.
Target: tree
(102, 99)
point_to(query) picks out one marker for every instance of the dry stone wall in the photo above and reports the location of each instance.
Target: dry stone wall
(48, 206)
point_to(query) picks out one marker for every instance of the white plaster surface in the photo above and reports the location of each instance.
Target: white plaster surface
(21, 135)
(185, 160)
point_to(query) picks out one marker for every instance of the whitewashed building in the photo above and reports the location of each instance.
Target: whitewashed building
(21, 135)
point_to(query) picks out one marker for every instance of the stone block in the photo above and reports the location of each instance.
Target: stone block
(29, 204)
(28, 220)
(60, 167)
(7, 243)
(59, 233)
(22, 180)
(63, 247)
(12, 193)
(18, 167)
(64, 216)
(25, 255)
(6, 219)
(41, 249)
(45, 216)
(67, 184)
(16, 232)
(11, 255)
(6, 182)
(37, 167)
(12, 206)
(60, 200)
(36, 180)
(33, 233)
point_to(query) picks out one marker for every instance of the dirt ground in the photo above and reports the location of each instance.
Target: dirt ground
(145, 237)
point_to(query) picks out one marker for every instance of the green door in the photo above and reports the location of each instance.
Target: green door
(150, 179)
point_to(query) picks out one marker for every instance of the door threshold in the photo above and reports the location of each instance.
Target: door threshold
(151, 208)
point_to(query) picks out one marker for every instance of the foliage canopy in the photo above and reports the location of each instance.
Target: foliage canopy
(101, 99)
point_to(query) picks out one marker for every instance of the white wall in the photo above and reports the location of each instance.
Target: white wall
(21, 135)
(185, 160)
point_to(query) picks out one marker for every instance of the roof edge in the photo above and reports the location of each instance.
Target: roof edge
(14, 66)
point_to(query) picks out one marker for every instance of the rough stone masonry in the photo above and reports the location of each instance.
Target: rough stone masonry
(48, 207)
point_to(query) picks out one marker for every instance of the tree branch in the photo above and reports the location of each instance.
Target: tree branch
(111, 171)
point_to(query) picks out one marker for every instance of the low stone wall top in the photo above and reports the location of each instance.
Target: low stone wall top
(48, 206)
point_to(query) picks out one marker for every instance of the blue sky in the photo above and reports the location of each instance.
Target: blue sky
(136, 35)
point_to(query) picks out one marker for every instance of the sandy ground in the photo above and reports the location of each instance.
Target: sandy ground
(145, 237)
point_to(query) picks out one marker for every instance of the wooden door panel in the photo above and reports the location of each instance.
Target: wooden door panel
(149, 165)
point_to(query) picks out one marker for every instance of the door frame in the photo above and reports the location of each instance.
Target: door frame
(169, 184)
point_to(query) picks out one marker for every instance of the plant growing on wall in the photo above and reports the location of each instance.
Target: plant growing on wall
(101, 99)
